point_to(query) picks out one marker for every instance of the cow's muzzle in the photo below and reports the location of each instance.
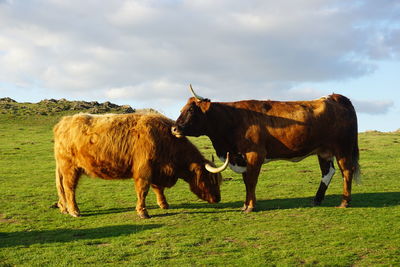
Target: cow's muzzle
(176, 132)
(215, 199)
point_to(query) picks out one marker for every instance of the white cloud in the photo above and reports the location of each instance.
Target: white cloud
(372, 107)
(144, 50)
(153, 91)
(120, 92)
(132, 13)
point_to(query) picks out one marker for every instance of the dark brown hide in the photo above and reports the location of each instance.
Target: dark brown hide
(255, 132)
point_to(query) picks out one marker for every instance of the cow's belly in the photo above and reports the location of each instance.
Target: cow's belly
(237, 168)
(292, 159)
(107, 170)
(242, 168)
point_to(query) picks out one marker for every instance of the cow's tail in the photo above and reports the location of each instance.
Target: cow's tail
(356, 165)
(352, 116)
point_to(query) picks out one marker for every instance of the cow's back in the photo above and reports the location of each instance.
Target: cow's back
(298, 128)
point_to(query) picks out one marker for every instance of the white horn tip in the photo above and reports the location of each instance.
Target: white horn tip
(218, 169)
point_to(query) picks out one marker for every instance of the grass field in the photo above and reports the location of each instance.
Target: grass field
(285, 230)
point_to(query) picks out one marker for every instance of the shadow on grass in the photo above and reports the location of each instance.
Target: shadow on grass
(90, 213)
(360, 200)
(25, 238)
(122, 210)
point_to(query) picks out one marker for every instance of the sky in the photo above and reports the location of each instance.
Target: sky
(146, 53)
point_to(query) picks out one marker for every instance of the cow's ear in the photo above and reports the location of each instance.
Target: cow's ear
(205, 106)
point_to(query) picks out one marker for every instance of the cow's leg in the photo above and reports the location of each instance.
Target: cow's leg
(62, 203)
(142, 185)
(161, 200)
(250, 178)
(327, 170)
(70, 180)
(347, 169)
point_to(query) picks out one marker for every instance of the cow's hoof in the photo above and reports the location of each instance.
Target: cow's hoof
(54, 206)
(75, 214)
(144, 215)
(244, 207)
(248, 210)
(164, 206)
(64, 210)
(343, 205)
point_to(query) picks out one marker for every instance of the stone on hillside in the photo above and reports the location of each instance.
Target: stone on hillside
(7, 100)
(127, 109)
(147, 111)
(108, 104)
(79, 105)
(47, 102)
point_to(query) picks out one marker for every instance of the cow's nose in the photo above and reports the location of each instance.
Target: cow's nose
(175, 131)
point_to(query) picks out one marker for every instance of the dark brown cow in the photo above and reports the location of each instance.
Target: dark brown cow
(256, 132)
(128, 146)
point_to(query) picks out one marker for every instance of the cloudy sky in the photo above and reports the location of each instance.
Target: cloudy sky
(146, 53)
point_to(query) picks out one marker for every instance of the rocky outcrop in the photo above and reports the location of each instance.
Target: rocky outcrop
(61, 106)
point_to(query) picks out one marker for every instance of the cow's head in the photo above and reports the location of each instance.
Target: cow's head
(193, 119)
(206, 180)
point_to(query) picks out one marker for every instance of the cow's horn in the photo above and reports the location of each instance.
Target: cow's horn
(219, 169)
(195, 95)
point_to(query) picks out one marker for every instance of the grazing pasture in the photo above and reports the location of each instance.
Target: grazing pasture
(285, 229)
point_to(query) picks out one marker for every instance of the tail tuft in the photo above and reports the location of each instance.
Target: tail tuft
(356, 158)
(357, 174)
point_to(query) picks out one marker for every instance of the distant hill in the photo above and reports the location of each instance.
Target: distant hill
(62, 107)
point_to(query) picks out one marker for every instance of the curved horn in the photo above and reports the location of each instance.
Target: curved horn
(219, 169)
(195, 95)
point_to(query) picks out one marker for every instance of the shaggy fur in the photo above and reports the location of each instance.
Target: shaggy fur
(255, 132)
(137, 146)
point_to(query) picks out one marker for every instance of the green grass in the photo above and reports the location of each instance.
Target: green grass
(285, 230)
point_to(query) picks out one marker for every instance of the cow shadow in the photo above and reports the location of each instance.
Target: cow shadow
(25, 238)
(90, 213)
(360, 200)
